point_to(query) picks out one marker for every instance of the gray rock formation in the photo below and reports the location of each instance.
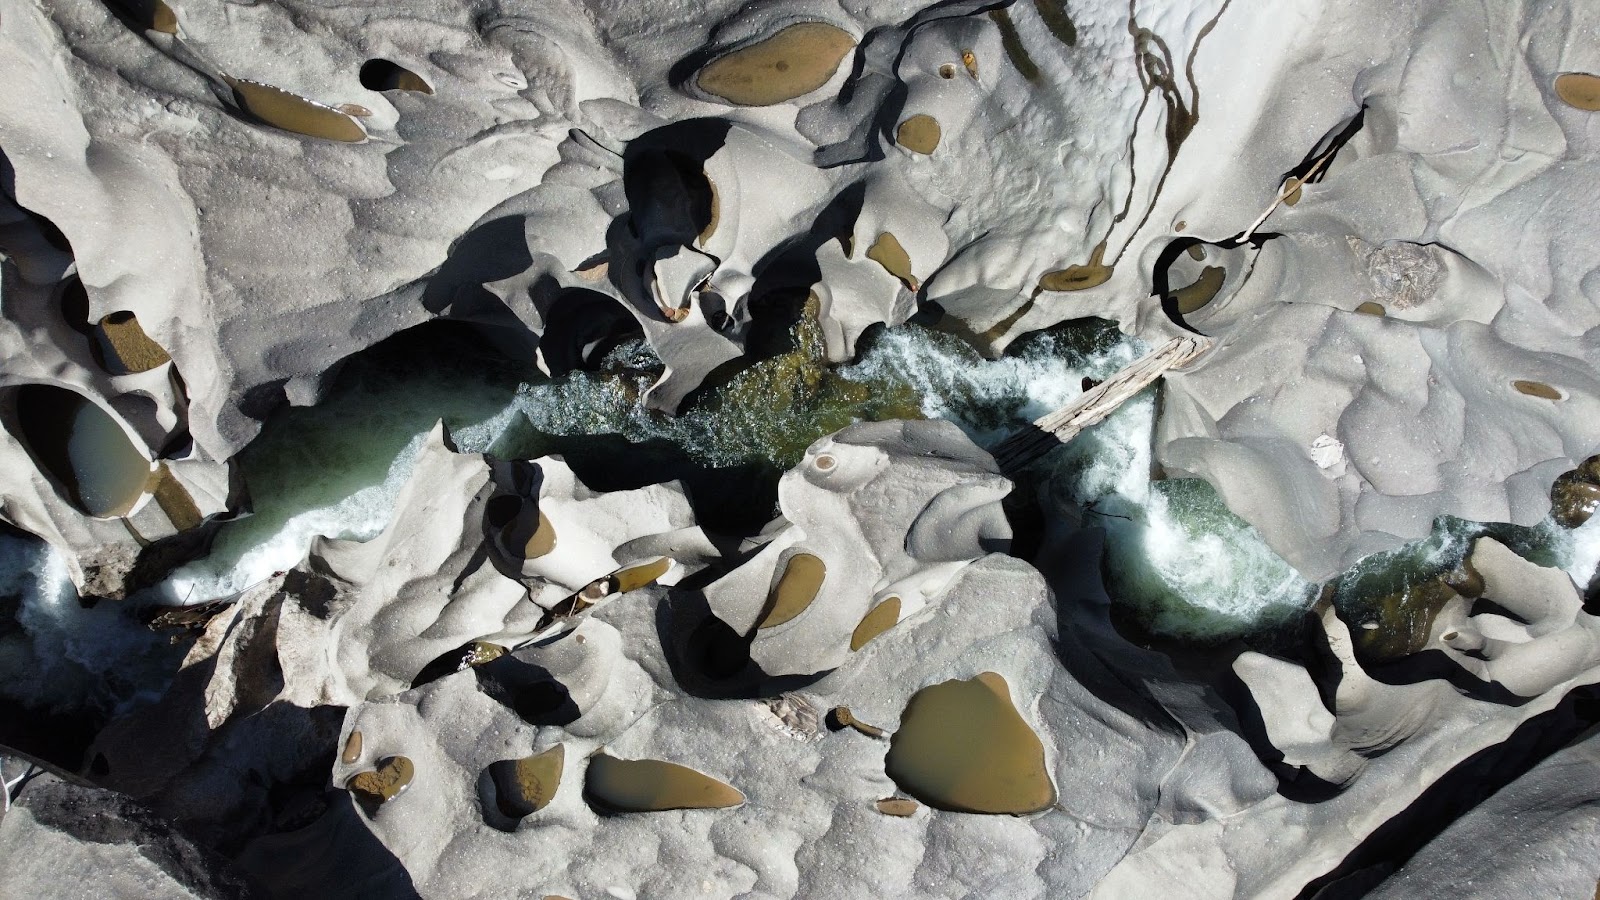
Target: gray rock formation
(546, 164)
(1379, 213)
(1551, 812)
(65, 838)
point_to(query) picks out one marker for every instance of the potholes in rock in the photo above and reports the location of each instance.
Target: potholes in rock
(467, 656)
(519, 526)
(879, 619)
(1579, 90)
(378, 786)
(962, 746)
(124, 348)
(1190, 275)
(615, 785)
(87, 454)
(145, 15)
(291, 112)
(518, 788)
(715, 651)
(1191, 298)
(888, 252)
(1082, 277)
(383, 75)
(919, 134)
(1537, 389)
(795, 588)
(793, 62)
(528, 689)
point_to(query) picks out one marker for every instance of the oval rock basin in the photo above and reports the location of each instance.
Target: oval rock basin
(963, 747)
(83, 448)
(652, 785)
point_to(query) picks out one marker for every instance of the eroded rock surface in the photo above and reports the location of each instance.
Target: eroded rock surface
(1378, 212)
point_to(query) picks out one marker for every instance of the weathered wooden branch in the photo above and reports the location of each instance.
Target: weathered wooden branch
(1094, 405)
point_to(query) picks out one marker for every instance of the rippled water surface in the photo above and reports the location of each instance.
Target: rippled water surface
(1176, 555)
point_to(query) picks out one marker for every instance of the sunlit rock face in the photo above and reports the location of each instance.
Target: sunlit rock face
(878, 519)
(1166, 165)
(1379, 213)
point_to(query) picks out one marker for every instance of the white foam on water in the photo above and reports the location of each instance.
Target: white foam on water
(340, 473)
(1175, 550)
(988, 398)
(67, 656)
(1583, 555)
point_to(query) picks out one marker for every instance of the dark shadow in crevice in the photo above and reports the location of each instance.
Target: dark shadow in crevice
(664, 178)
(1331, 143)
(581, 328)
(527, 689)
(383, 75)
(709, 659)
(1452, 795)
(335, 856)
(491, 251)
(1434, 664)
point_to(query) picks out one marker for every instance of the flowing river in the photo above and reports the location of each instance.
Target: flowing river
(1184, 564)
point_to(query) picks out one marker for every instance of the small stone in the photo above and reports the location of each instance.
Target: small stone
(898, 806)
(352, 748)
(846, 719)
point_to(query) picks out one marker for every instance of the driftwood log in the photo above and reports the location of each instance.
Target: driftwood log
(1092, 406)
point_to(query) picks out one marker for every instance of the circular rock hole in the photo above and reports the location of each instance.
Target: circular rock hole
(383, 75)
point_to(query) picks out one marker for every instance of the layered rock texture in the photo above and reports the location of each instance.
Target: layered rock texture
(1379, 214)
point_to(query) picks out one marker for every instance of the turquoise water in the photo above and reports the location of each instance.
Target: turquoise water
(1177, 557)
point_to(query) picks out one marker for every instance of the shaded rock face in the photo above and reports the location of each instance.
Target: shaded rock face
(1258, 779)
(67, 839)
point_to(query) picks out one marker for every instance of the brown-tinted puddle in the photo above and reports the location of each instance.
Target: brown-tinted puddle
(962, 746)
(89, 454)
(291, 112)
(525, 786)
(652, 785)
(792, 63)
(799, 584)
